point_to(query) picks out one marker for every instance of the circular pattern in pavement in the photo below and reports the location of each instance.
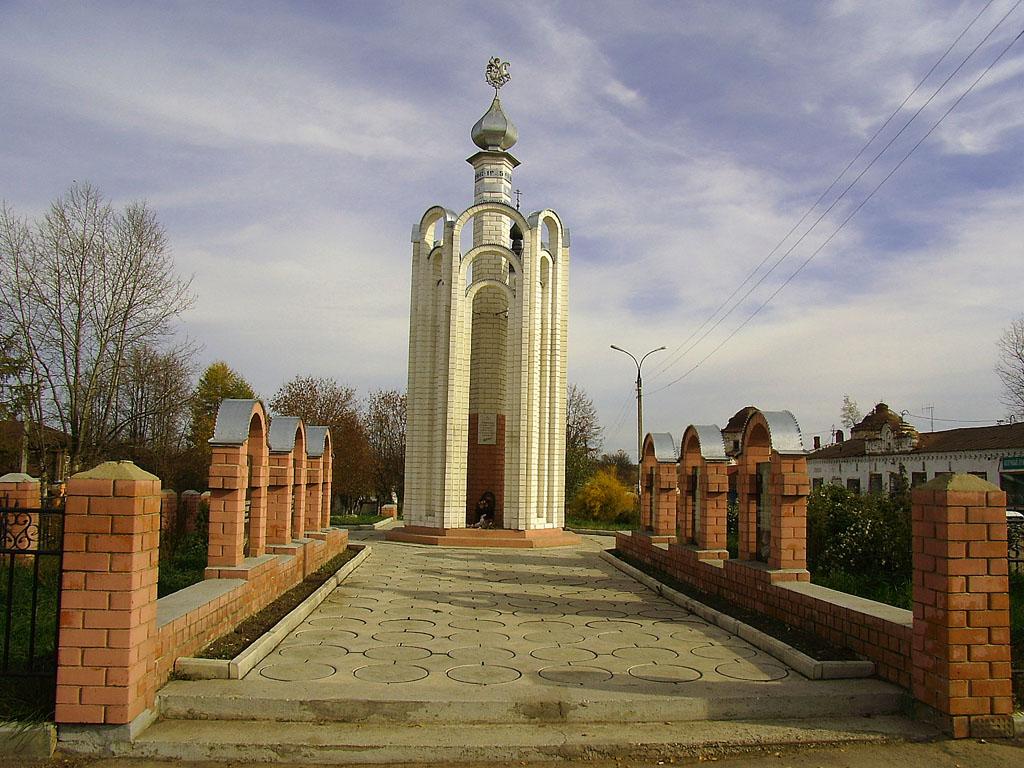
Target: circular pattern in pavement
(402, 638)
(565, 654)
(606, 625)
(484, 674)
(544, 625)
(713, 651)
(396, 653)
(304, 652)
(571, 675)
(476, 637)
(295, 671)
(480, 654)
(337, 622)
(758, 672)
(703, 632)
(640, 654)
(623, 637)
(474, 613)
(324, 635)
(407, 625)
(556, 636)
(664, 673)
(391, 673)
(486, 625)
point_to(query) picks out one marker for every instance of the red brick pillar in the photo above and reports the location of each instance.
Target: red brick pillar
(714, 487)
(107, 656)
(168, 511)
(790, 487)
(279, 499)
(961, 649)
(228, 479)
(664, 523)
(190, 509)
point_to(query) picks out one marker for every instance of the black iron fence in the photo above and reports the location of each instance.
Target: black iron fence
(1015, 543)
(31, 554)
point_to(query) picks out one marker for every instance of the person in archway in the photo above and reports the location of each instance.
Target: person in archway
(485, 511)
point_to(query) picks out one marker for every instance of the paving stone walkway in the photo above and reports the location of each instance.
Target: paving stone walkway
(450, 620)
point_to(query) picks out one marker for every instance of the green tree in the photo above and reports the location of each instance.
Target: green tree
(217, 383)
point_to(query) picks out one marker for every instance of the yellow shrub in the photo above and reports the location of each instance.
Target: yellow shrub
(604, 497)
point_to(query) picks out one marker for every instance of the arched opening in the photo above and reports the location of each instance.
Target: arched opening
(297, 501)
(488, 406)
(757, 449)
(254, 491)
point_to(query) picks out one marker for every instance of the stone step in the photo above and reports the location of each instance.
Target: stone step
(210, 700)
(337, 743)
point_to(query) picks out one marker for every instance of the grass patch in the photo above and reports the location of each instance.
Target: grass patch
(897, 593)
(356, 519)
(29, 698)
(571, 521)
(226, 647)
(184, 564)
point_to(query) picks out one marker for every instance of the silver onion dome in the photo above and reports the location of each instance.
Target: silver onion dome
(494, 131)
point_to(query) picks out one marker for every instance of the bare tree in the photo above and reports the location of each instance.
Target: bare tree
(81, 288)
(385, 428)
(1010, 367)
(152, 411)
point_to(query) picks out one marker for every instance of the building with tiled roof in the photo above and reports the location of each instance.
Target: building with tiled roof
(883, 448)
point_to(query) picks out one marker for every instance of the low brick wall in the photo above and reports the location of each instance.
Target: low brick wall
(878, 632)
(190, 619)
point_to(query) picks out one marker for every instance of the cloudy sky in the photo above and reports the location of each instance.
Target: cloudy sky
(288, 148)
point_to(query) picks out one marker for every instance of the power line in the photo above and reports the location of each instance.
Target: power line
(852, 213)
(676, 355)
(953, 421)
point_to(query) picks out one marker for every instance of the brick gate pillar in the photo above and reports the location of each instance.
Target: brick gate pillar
(790, 487)
(107, 655)
(961, 648)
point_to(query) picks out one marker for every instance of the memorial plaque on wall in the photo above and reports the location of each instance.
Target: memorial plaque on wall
(487, 429)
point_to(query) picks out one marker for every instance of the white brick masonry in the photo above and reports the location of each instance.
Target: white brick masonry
(487, 335)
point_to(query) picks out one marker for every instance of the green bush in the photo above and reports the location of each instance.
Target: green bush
(604, 498)
(857, 535)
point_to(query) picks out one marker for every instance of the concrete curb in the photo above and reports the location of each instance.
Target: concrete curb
(242, 664)
(380, 525)
(810, 668)
(592, 531)
(28, 739)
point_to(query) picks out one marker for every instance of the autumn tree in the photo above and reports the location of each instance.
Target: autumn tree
(385, 427)
(582, 439)
(1010, 367)
(80, 289)
(321, 401)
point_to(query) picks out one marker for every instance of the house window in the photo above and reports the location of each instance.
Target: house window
(982, 475)
(918, 478)
(853, 484)
(874, 482)
(817, 482)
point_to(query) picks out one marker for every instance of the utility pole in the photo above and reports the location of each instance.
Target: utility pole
(639, 416)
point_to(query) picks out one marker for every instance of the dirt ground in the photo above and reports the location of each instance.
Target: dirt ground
(941, 754)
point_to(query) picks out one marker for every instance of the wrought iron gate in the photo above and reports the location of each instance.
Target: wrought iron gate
(31, 559)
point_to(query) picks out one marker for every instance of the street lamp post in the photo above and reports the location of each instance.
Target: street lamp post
(639, 415)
